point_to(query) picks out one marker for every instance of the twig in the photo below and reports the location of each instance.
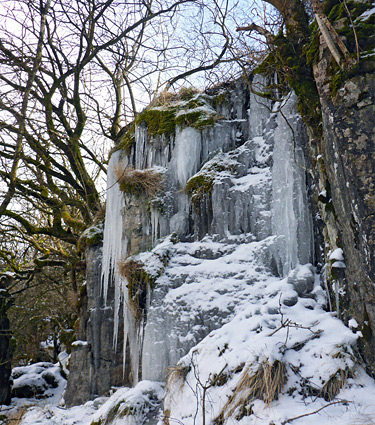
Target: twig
(314, 412)
(354, 30)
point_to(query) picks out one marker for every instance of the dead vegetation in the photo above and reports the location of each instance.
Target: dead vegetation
(177, 374)
(335, 384)
(139, 182)
(264, 384)
(139, 283)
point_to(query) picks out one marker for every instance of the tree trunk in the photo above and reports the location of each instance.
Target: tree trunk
(5, 349)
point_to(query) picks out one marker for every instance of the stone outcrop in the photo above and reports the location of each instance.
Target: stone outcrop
(96, 364)
(347, 176)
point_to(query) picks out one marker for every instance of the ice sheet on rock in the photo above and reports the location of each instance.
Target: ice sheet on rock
(259, 107)
(113, 243)
(291, 217)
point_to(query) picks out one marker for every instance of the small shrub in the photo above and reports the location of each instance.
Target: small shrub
(139, 182)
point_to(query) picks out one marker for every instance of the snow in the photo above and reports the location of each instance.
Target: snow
(79, 343)
(339, 265)
(127, 406)
(353, 324)
(365, 15)
(337, 254)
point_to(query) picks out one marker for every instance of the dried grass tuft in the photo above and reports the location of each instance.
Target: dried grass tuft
(164, 98)
(265, 384)
(139, 182)
(177, 374)
(335, 384)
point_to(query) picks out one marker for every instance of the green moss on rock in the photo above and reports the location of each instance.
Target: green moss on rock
(199, 187)
(158, 120)
(190, 110)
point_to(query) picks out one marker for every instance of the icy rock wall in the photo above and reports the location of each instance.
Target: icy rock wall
(291, 216)
(256, 213)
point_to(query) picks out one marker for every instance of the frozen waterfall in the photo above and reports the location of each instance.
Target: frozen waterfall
(261, 226)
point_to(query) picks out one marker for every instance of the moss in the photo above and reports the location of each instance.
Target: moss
(365, 32)
(76, 326)
(328, 5)
(92, 236)
(219, 99)
(83, 290)
(338, 11)
(312, 50)
(189, 113)
(196, 119)
(199, 187)
(12, 344)
(67, 337)
(128, 140)
(186, 93)
(71, 221)
(290, 63)
(158, 121)
(188, 119)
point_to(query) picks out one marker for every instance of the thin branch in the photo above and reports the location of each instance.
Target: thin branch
(315, 411)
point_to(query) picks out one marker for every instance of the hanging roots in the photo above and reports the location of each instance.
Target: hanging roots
(139, 182)
(264, 384)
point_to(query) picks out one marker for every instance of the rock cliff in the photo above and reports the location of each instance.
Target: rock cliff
(225, 219)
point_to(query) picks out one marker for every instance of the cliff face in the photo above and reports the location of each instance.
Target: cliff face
(214, 228)
(96, 363)
(220, 182)
(347, 173)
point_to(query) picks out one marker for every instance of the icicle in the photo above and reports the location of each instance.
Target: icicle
(112, 240)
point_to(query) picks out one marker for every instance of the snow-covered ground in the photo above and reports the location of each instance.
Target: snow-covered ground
(267, 324)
